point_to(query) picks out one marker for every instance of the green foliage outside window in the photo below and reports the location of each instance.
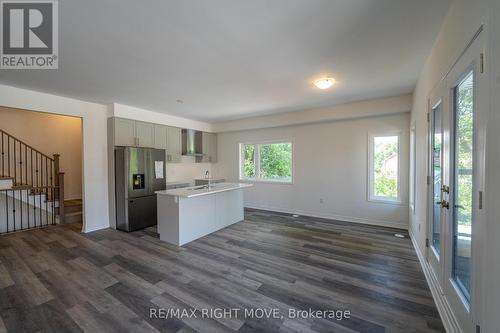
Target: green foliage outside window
(464, 144)
(385, 177)
(249, 161)
(274, 161)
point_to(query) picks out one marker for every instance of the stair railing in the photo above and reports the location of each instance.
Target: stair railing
(33, 171)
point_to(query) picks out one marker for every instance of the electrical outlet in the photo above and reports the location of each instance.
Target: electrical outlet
(321, 200)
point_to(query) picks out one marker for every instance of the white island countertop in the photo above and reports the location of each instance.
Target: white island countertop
(196, 191)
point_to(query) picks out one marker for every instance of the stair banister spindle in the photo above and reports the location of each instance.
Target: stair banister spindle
(60, 190)
(46, 190)
(8, 154)
(22, 184)
(20, 162)
(3, 164)
(7, 208)
(15, 164)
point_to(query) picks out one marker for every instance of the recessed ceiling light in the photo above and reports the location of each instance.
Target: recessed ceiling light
(324, 83)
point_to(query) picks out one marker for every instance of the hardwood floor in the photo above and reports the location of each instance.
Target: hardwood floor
(59, 280)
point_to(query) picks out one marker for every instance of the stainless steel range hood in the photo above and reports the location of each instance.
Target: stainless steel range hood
(192, 142)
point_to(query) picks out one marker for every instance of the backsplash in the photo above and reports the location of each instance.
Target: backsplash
(187, 170)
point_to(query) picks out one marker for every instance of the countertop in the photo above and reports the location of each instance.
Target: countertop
(195, 191)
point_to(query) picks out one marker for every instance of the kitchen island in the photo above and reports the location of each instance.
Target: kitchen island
(186, 214)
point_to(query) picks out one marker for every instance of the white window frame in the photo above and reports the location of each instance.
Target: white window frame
(371, 181)
(413, 167)
(257, 179)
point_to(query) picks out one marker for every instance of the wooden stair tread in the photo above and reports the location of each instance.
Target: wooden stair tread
(73, 202)
(73, 214)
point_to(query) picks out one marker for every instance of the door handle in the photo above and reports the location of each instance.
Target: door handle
(444, 204)
(459, 206)
(445, 189)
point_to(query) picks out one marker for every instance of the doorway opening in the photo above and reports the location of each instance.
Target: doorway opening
(40, 169)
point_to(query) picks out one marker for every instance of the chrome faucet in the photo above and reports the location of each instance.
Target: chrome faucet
(207, 176)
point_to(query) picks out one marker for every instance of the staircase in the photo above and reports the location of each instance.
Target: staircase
(73, 211)
(31, 186)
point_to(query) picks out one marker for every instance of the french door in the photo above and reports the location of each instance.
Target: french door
(456, 170)
(438, 144)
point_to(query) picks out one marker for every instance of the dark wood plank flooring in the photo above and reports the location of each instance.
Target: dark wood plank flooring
(59, 280)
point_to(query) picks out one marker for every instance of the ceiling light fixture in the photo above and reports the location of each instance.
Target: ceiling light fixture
(324, 83)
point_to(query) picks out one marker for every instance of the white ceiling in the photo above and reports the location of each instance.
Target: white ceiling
(229, 59)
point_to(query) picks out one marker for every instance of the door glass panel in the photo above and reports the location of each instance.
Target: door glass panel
(437, 141)
(463, 183)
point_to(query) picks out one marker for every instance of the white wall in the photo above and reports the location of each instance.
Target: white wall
(462, 21)
(95, 177)
(330, 162)
(50, 134)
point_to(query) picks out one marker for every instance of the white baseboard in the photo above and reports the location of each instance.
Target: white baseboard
(391, 224)
(87, 230)
(449, 321)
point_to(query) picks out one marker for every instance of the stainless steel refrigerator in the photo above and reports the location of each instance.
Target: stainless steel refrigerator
(139, 172)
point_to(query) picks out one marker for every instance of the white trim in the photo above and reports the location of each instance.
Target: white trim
(381, 223)
(87, 230)
(413, 168)
(371, 197)
(448, 318)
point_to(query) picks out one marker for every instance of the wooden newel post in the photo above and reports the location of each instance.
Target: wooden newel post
(56, 169)
(60, 179)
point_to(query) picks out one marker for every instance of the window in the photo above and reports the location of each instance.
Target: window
(463, 183)
(413, 161)
(384, 161)
(266, 162)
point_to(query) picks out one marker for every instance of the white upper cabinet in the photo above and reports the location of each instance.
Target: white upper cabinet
(145, 134)
(133, 133)
(161, 137)
(174, 145)
(209, 147)
(124, 132)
